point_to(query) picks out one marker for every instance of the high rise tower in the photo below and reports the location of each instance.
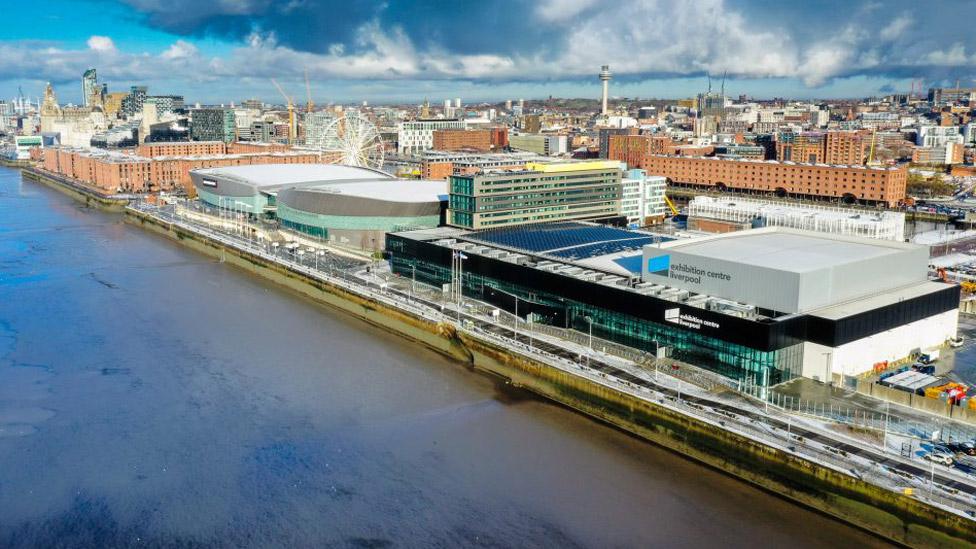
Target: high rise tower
(89, 81)
(605, 78)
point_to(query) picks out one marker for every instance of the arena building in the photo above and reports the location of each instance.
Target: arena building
(761, 306)
(255, 188)
(360, 213)
(345, 205)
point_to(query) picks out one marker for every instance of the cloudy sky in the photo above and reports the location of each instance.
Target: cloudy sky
(227, 50)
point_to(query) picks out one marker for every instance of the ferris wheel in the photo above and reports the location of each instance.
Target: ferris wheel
(357, 139)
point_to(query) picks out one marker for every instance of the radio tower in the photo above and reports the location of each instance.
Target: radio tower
(605, 78)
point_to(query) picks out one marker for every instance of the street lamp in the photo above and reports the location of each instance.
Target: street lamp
(589, 321)
(516, 317)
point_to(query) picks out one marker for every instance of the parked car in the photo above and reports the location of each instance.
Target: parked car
(940, 456)
(963, 447)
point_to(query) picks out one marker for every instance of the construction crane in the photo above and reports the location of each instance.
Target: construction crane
(671, 206)
(291, 112)
(874, 139)
(308, 92)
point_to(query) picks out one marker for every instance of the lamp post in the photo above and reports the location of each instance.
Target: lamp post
(884, 443)
(516, 317)
(589, 321)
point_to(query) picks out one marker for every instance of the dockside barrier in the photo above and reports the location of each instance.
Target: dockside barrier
(894, 516)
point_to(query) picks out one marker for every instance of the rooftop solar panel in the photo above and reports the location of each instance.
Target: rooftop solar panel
(568, 240)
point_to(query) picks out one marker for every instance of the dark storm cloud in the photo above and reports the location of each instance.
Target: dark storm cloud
(814, 40)
(505, 26)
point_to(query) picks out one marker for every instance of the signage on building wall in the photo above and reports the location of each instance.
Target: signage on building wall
(674, 316)
(662, 266)
(209, 182)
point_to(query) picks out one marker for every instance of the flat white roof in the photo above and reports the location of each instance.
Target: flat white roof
(786, 249)
(261, 175)
(391, 190)
(872, 302)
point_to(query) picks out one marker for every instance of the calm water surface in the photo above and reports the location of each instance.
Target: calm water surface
(150, 396)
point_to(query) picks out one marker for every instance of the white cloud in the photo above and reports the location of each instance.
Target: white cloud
(954, 56)
(180, 50)
(896, 28)
(638, 38)
(101, 43)
(562, 10)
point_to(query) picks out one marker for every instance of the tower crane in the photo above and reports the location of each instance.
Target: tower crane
(291, 112)
(874, 139)
(308, 93)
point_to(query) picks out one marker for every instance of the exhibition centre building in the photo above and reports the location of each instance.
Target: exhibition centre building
(761, 306)
(345, 205)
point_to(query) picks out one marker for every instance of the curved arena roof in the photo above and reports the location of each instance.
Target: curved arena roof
(268, 178)
(383, 197)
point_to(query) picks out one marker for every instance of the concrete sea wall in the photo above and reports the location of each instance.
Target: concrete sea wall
(83, 194)
(893, 516)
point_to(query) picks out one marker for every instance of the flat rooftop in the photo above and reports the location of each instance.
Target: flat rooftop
(869, 303)
(786, 249)
(391, 190)
(277, 175)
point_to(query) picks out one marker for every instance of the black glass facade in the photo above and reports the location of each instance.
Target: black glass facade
(758, 351)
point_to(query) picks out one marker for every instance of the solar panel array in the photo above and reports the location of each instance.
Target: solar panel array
(567, 240)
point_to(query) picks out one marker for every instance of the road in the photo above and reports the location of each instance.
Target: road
(956, 491)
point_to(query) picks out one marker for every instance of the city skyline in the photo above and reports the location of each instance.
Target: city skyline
(230, 50)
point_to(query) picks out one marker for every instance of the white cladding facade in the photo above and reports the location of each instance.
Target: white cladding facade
(857, 357)
(643, 197)
(418, 135)
(785, 270)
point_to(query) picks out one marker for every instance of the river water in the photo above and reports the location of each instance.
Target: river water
(150, 396)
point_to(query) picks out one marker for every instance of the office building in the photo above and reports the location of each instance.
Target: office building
(456, 140)
(938, 136)
(442, 164)
(944, 96)
(212, 124)
(605, 134)
(633, 149)
(833, 147)
(415, 136)
(89, 87)
(540, 193)
(316, 130)
(546, 145)
(950, 153)
(165, 104)
(132, 103)
(761, 306)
